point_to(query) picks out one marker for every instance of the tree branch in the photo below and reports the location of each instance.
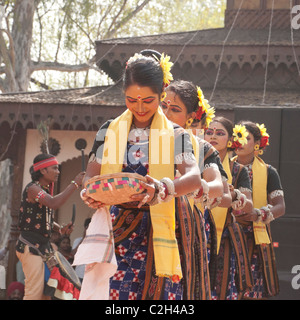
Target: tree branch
(40, 84)
(63, 67)
(111, 33)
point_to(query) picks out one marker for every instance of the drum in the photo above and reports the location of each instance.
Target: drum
(116, 188)
(61, 281)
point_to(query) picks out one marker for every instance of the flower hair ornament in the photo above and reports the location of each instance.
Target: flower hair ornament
(264, 141)
(204, 109)
(166, 66)
(239, 136)
(135, 57)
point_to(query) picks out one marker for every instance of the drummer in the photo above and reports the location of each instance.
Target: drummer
(144, 230)
(36, 221)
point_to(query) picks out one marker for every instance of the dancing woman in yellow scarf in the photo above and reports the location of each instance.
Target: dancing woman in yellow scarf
(268, 203)
(181, 105)
(146, 245)
(233, 274)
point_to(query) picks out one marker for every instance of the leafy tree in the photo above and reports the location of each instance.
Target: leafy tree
(51, 43)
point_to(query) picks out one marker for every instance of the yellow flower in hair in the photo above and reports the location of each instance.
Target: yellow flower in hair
(166, 66)
(210, 114)
(240, 134)
(264, 141)
(200, 96)
(204, 107)
(263, 130)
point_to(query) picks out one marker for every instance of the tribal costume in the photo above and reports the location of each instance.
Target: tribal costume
(135, 277)
(233, 275)
(261, 256)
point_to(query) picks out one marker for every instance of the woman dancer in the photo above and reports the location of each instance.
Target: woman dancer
(185, 105)
(148, 261)
(233, 274)
(269, 204)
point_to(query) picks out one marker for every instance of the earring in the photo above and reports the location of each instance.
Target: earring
(163, 96)
(229, 144)
(260, 152)
(189, 122)
(256, 147)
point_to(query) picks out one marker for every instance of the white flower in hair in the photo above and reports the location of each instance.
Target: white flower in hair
(135, 57)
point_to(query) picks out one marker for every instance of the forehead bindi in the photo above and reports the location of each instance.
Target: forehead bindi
(138, 92)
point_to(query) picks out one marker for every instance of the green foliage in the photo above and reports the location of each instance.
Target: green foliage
(65, 31)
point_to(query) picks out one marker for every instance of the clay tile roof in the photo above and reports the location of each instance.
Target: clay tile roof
(213, 37)
(99, 95)
(113, 96)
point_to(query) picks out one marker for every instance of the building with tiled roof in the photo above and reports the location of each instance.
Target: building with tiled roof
(248, 69)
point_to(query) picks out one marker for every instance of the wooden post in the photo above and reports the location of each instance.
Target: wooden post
(18, 155)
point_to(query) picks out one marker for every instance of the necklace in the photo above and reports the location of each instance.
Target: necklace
(137, 135)
(47, 187)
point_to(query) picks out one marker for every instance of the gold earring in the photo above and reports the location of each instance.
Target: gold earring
(260, 152)
(229, 144)
(189, 122)
(256, 147)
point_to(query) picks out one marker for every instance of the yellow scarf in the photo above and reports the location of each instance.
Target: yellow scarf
(259, 187)
(161, 164)
(219, 213)
(259, 197)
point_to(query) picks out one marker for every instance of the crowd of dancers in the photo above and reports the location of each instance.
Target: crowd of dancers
(200, 230)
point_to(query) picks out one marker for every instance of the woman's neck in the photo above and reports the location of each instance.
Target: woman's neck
(141, 125)
(246, 159)
(222, 154)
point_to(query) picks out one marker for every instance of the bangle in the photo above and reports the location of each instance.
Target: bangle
(75, 183)
(40, 195)
(81, 194)
(169, 189)
(159, 195)
(267, 215)
(202, 194)
(240, 201)
(164, 191)
(258, 212)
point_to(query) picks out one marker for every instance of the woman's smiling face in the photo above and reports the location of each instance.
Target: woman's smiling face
(143, 103)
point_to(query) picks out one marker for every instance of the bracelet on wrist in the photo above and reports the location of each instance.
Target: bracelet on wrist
(75, 183)
(258, 212)
(81, 193)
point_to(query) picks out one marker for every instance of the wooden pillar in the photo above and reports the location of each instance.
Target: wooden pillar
(17, 155)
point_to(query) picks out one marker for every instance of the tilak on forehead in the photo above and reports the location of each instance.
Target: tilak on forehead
(44, 164)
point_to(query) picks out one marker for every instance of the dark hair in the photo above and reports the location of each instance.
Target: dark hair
(145, 71)
(36, 175)
(151, 53)
(226, 123)
(61, 239)
(87, 222)
(187, 92)
(252, 128)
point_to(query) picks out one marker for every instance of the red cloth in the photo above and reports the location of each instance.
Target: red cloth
(64, 284)
(13, 286)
